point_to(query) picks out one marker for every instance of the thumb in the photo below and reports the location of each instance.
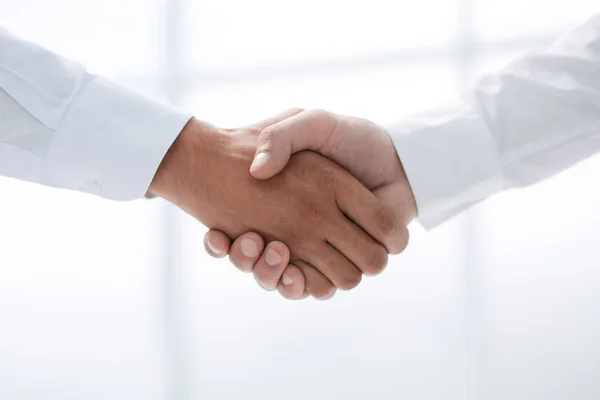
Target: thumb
(308, 130)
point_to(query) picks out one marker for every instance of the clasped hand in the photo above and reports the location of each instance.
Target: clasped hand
(328, 218)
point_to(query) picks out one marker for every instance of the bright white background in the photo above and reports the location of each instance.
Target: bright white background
(102, 300)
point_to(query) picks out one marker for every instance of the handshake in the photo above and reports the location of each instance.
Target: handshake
(311, 200)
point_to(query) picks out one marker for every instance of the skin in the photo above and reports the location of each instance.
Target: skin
(206, 174)
(360, 146)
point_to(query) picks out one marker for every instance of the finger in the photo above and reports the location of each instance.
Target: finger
(368, 212)
(292, 284)
(360, 248)
(316, 284)
(305, 131)
(216, 243)
(246, 250)
(335, 266)
(268, 270)
(277, 118)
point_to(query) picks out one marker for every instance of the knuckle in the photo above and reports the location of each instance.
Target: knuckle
(296, 240)
(322, 291)
(387, 224)
(331, 178)
(319, 114)
(350, 281)
(267, 136)
(314, 213)
(404, 238)
(376, 262)
(295, 110)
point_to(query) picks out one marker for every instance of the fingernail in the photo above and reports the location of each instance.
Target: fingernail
(273, 258)
(260, 161)
(212, 249)
(287, 280)
(249, 248)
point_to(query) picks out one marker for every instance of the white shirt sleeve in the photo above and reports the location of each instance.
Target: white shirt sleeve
(62, 127)
(537, 117)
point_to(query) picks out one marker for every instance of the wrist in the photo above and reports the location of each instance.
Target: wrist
(169, 182)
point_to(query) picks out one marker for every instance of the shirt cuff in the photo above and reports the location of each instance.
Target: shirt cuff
(451, 161)
(111, 142)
